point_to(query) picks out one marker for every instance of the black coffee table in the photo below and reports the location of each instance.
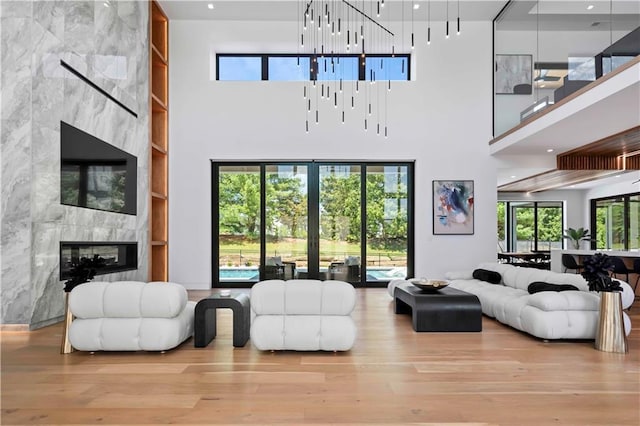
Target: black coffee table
(447, 309)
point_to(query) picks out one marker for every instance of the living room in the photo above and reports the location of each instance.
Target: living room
(440, 122)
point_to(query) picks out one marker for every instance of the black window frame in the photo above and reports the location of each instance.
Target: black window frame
(313, 72)
(626, 219)
(262, 164)
(510, 233)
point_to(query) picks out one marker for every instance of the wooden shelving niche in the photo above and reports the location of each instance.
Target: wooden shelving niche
(159, 161)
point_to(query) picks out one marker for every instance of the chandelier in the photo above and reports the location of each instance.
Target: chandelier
(353, 55)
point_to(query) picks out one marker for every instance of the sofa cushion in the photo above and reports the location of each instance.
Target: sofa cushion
(488, 276)
(538, 286)
(132, 334)
(565, 301)
(303, 332)
(127, 299)
(302, 297)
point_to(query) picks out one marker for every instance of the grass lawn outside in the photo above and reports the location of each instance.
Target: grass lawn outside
(243, 252)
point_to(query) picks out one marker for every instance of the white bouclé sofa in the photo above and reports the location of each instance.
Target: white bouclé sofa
(303, 315)
(548, 314)
(129, 316)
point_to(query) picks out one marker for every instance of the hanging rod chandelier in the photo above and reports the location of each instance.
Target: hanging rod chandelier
(352, 55)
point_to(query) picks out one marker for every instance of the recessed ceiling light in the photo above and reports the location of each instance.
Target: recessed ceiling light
(542, 85)
(550, 150)
(572, 186)
(106, 4)
(416, 6)
(513, 176)
(617, 176)
(210, 5)
(590, 7)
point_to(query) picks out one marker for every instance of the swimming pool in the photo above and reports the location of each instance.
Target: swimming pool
(252, 273)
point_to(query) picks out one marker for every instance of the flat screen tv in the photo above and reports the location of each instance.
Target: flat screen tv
(95, 174)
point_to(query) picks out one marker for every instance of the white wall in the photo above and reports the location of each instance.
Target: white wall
(442, 120)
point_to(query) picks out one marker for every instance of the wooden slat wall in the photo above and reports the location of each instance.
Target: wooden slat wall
(586, 162)
(633, 163)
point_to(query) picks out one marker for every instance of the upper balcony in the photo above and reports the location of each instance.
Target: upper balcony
(567, 93)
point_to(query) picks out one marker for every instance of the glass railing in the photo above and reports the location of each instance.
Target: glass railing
(547, 50)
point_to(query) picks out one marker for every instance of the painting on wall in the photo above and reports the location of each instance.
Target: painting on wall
(513, 74)
(453, 207)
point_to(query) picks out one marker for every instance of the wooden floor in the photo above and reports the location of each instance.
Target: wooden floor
(393, 375)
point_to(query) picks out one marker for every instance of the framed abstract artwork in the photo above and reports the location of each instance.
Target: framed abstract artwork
(513, 74)
(453, 207)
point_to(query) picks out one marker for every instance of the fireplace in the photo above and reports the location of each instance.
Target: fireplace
(118, 256)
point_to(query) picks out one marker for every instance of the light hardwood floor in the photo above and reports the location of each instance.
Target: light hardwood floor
(393, 375)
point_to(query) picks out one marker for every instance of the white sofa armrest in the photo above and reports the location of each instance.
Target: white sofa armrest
(627, 295)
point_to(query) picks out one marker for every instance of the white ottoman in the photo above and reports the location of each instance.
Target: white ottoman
(129, 316)
(303, 315)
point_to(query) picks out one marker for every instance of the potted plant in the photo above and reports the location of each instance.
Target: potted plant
(610, 335)
(82, 270)
(576, 235)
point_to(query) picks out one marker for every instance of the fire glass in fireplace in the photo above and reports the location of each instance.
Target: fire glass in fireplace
(118, 256)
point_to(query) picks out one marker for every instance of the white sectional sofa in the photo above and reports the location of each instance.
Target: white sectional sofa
(303, 315)
(129, 316)
(548, 314)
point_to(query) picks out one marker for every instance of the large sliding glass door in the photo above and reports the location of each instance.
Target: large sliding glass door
(237, 208)
(388, 221)
(340, 220)
(286, 221)
(307, 220)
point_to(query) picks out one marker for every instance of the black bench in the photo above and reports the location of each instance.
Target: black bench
(205, 318)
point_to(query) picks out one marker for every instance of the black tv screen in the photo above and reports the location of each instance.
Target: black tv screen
(95, 174)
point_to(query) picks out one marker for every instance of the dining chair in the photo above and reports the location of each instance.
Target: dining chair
(636, 270)
(620, 268)
(569, 262)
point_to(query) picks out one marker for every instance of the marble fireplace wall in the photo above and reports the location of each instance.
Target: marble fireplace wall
(108, 45)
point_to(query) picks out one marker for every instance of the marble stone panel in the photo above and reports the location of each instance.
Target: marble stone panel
(45, 197)
(47, 86)
(15, 9)
(15, 225)
(108, 28)
(15, 36)
(16, 169)
(48, 293)
(131, 13)
(78, 102)
(45, 152)
(79, 26)
(49, 15)
(40, 93)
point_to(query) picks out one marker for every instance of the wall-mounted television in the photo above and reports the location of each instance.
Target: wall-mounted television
(95, 174)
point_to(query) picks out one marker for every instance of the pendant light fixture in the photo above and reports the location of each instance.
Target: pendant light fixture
(447, 31)
(428, 21)
(344, 29)
(331, 33)
(458, 33)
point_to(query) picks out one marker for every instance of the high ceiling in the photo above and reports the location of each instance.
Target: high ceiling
(287, 10)
(521, 15)
(515, 160)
